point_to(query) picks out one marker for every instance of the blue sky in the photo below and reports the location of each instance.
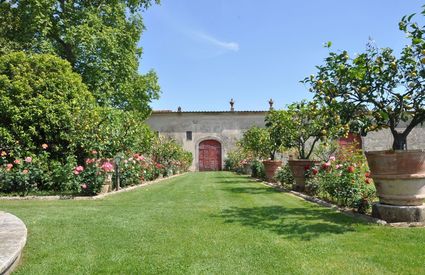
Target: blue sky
(206, 52)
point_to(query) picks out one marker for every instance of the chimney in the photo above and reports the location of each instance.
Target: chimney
(271, 104)
(232, 102)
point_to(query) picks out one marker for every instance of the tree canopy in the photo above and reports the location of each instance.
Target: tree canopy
(303, 124)
(386, 89)
(98, 38)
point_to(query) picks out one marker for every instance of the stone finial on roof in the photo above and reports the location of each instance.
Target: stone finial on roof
(232, 102)
(179, 109)
(271, 104)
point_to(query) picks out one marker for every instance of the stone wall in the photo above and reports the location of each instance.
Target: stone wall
(225, 127)
(383, 139)
(228, 128)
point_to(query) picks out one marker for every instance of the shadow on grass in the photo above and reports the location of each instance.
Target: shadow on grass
(233, 178)
(293, 223)
(250, 190)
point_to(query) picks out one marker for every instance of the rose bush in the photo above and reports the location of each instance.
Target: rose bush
(344, 179)
(39, 173)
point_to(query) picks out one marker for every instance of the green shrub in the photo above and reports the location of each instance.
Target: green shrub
(42, 101)
(257, 168)
(284, 176)
(236, 159)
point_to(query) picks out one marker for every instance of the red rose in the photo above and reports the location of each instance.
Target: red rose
(350, 169)
(368, 180)
(307, 167)
(367, 174)
(315, 171)
(326, 165)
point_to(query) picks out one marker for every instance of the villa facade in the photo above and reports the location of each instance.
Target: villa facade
(210, 135)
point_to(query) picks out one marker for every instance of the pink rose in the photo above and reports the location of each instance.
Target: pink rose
(44, 146)
(89, 161)
(107, 167)
(16, 161)
(332, 158)
(25, 171)
(94, 152)
(78, 170)
(9, 166)
(28, 159)
(84, 186)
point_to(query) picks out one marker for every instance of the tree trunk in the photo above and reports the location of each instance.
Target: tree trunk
(400, 141)
(272, 155)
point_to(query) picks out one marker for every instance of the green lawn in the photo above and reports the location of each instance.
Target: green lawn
(208, 223)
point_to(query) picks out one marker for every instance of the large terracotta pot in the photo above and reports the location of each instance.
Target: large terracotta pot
(270, 167)
(399, 176)
(298, 168)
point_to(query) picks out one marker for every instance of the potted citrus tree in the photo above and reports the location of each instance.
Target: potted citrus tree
(390, 91)
(263, 144)
(302, 126)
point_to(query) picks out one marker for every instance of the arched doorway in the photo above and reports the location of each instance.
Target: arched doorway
(209, 155)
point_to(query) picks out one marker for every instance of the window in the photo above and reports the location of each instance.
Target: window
(188, 135)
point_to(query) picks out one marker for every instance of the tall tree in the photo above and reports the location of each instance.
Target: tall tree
(99, 38)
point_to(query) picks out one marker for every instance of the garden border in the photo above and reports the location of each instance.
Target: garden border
(97, 197)
(345, 211)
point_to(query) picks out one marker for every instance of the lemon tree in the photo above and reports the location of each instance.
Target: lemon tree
(303, 125)
(377, 88)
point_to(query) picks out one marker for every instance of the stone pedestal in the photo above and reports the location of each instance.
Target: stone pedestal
(398, 213)
(107, 184)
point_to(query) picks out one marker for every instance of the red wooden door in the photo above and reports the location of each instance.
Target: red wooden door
(209, 155)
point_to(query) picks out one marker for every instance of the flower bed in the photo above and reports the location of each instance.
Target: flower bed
(39, 174)
(343, 180)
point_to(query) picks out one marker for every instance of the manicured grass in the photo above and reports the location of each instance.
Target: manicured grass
(208, 223)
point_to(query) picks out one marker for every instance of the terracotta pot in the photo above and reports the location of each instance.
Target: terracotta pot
(298, 168)
(270, 167)
(399, 176)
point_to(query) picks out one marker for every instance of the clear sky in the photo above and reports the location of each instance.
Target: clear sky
(208, 51)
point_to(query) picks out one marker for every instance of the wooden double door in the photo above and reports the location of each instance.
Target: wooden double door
(209, 155)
